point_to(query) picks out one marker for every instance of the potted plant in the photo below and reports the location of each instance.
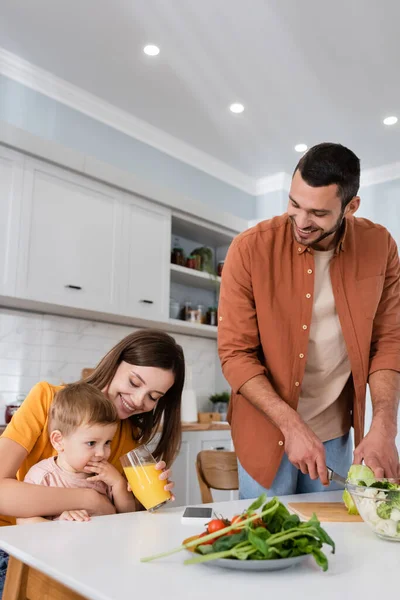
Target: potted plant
(220, 403)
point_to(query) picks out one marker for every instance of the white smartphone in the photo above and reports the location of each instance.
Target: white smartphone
(197, 515)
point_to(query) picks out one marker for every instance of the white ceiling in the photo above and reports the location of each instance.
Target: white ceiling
(307, 71)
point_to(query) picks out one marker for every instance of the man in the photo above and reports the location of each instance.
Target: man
(309, 312)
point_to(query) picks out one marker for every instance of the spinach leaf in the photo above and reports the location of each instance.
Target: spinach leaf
(262, 532)
(258, 543)
(290, 522)
(229, 541)
(256, 504)
(205, 549)
(320, 558)
(276, 519)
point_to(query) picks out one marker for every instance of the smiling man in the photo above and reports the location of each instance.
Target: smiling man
(309, 313)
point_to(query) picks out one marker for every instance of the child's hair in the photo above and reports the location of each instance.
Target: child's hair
(80, 404)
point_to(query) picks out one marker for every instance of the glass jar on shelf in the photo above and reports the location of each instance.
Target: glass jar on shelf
(201, 316)
(212, 316)
(191, 262)
(12, 408)
(177, 255)
(186, 311)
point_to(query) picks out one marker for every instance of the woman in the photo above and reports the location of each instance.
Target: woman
(143, 375)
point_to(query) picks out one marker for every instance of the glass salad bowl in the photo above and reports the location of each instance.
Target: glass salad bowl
(379, 506)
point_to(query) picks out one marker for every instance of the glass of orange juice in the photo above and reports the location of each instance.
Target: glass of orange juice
(140, 470)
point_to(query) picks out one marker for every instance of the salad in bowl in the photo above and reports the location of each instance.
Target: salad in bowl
(377, 501)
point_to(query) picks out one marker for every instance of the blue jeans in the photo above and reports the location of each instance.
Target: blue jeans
(289, 480)
(3, 570)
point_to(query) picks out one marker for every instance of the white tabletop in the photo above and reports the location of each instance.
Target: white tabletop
(101, 559)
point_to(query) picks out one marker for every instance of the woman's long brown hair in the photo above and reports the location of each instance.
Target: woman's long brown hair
(150, 348)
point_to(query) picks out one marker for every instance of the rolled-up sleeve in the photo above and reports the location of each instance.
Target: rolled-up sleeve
(385, 343)
(238, 336)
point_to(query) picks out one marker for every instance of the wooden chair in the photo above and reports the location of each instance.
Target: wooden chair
(26, 583)
(216, 469)
(86, 372)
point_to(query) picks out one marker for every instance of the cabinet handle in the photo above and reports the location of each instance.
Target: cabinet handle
(146, 301)
(73, 287)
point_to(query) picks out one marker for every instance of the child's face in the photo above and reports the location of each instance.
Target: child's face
(88, 443)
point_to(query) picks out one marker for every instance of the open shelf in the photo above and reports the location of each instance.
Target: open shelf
(193, 278)
(207, 233)
(197, 329)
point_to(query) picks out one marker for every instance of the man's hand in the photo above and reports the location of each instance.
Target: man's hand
(305, 451)
(104, 471)
(378, 451)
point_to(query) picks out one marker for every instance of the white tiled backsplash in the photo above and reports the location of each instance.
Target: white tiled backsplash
(36, 347)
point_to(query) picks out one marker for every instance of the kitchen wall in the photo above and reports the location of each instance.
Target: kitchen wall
(381, 203)
(27, 109)
(271, 204)
(36, 347)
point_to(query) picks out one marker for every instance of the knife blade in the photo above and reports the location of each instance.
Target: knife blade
(332, 476)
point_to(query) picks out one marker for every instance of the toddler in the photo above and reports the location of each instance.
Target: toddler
(82, 424)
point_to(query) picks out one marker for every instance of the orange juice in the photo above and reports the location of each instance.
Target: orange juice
(146, 485)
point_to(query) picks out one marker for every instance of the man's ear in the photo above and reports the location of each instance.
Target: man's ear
(352, 206)
(57, 440)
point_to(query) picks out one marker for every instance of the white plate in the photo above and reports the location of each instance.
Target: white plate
(256, 565)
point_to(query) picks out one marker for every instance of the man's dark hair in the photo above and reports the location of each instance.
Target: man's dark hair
(329, 163)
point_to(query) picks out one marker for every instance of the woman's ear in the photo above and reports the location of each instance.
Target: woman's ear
(57, 440)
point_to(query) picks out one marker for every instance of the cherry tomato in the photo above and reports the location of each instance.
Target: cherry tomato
(236, 520)
(215, 525)
(208, 542)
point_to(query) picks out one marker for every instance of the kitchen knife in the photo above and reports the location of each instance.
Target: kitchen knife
(332, 476)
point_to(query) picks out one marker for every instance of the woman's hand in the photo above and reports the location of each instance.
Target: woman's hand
(97, 504)
(165, 475)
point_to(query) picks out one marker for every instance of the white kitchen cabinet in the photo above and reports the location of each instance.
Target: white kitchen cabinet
(145, 268)
(187, 490)
(11, 177)
(70, 243)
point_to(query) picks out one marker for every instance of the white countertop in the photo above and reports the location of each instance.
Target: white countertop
(100, 560)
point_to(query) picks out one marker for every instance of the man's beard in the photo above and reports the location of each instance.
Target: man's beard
(326, 234)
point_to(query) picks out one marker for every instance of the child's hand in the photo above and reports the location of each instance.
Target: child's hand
(104, 471)
(74, 515)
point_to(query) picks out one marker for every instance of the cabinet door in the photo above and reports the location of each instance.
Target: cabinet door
(181, 474)
(11, 175)
(146, 243)
(71, 229)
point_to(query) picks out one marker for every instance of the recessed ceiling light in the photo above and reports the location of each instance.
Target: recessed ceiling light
(151, 50)
(301, 147)
(390, 120)
(236, 108)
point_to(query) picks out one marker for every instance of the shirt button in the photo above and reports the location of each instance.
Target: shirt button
(301, 355)
(308, 295)
(299, 249)
(304, 327)
(220, 318)
(280, 443)
(308, 250)
(297, 384)
(309, 271)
